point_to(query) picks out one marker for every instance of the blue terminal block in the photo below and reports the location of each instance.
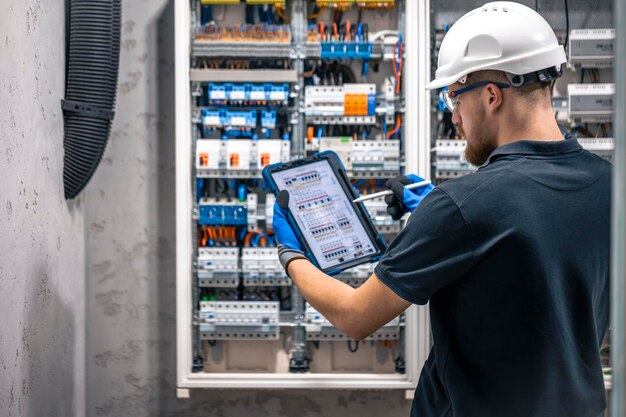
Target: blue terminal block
(227, 215)
(217, 93)
(333, 50)
(257, 92)
(237, 92)
(346, 50)
(239, 119)
(371, 104)
(211, 118)
(278, 92)
(268, 119)
(359, 50)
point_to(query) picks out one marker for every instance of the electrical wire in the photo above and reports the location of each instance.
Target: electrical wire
(398, 63)
(355, 348)
(566, 6)
(396, 128)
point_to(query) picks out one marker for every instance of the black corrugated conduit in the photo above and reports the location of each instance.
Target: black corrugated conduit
(91, 87)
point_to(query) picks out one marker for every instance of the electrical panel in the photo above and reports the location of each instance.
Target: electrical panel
(261, 82)
(583, 99)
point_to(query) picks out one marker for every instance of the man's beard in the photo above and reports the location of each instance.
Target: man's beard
(481, 144)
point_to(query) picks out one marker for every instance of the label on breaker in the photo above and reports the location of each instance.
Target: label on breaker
(277, 95)
(238, 121)
(211, 120)
(237, 95)
(217, 95)
(257, 95)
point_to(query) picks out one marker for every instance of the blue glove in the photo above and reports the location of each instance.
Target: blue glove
(403, 200)
(289, 247)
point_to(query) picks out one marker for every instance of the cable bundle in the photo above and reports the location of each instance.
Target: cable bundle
(92, 74)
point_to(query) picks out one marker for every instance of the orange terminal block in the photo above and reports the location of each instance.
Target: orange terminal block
(355, 105)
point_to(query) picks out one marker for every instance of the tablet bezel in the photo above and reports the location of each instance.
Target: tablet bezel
(359, 208)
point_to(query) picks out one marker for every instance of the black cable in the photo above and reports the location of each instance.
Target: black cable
(212, 342)
(90, 88)
(566, 25)
(356, 346)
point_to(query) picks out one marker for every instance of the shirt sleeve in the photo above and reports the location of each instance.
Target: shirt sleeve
(434, 249)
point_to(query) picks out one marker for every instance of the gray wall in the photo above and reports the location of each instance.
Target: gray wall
(42, 267)
(131, 250)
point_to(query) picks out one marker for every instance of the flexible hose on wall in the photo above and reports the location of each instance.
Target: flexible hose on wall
(92, 72)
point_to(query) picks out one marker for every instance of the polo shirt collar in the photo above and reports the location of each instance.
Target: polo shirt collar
(534, 147)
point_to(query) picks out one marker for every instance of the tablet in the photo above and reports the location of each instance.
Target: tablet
(336, 233)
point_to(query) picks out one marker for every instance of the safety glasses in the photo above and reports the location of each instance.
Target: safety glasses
(450, 98)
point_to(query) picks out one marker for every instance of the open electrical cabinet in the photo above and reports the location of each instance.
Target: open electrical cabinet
(260, 82)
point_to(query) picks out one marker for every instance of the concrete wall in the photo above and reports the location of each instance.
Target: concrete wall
(131, 243)
(42, 267)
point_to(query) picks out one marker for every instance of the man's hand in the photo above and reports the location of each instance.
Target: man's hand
(289, 248)
(403, 200)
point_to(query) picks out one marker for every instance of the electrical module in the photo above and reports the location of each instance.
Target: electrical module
(592, 48)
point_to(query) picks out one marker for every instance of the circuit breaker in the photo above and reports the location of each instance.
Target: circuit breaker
(260, 82)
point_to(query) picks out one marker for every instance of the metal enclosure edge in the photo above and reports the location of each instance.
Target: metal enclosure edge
(183, 191)
(618, 267)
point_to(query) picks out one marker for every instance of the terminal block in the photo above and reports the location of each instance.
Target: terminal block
(233, 320)
(261, 267)
(218, 267)
(346, 50)
(222, 212)
(248, 94)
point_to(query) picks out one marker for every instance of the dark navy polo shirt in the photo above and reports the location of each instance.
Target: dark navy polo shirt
(514, 260)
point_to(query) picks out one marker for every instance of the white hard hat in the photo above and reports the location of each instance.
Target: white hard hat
(504, 36)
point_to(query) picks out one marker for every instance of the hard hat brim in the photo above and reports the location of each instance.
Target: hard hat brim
(442, 82)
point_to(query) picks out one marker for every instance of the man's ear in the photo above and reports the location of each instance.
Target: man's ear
(493, 97)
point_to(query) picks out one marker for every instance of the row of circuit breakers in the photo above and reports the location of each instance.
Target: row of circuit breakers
(349, 104)
(587, 103)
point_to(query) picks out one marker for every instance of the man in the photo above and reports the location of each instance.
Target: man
(513, 258)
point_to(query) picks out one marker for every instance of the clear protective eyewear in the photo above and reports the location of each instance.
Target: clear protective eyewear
(450, 98)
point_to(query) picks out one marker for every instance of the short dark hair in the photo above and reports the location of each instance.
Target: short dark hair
(533, 93)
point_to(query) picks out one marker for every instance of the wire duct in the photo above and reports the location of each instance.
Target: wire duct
(91, 87)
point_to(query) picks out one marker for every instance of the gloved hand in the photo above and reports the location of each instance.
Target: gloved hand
(403, 200)
(289, 248)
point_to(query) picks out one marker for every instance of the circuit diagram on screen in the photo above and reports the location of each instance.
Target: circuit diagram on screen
(324, 214)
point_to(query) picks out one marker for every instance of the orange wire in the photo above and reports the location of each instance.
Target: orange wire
(395, 129)
(321, 26)
(204, 236)
(335, 33)
(397, 72)
(347, 31)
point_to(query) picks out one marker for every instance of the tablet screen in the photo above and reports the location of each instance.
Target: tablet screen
(324, 214)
